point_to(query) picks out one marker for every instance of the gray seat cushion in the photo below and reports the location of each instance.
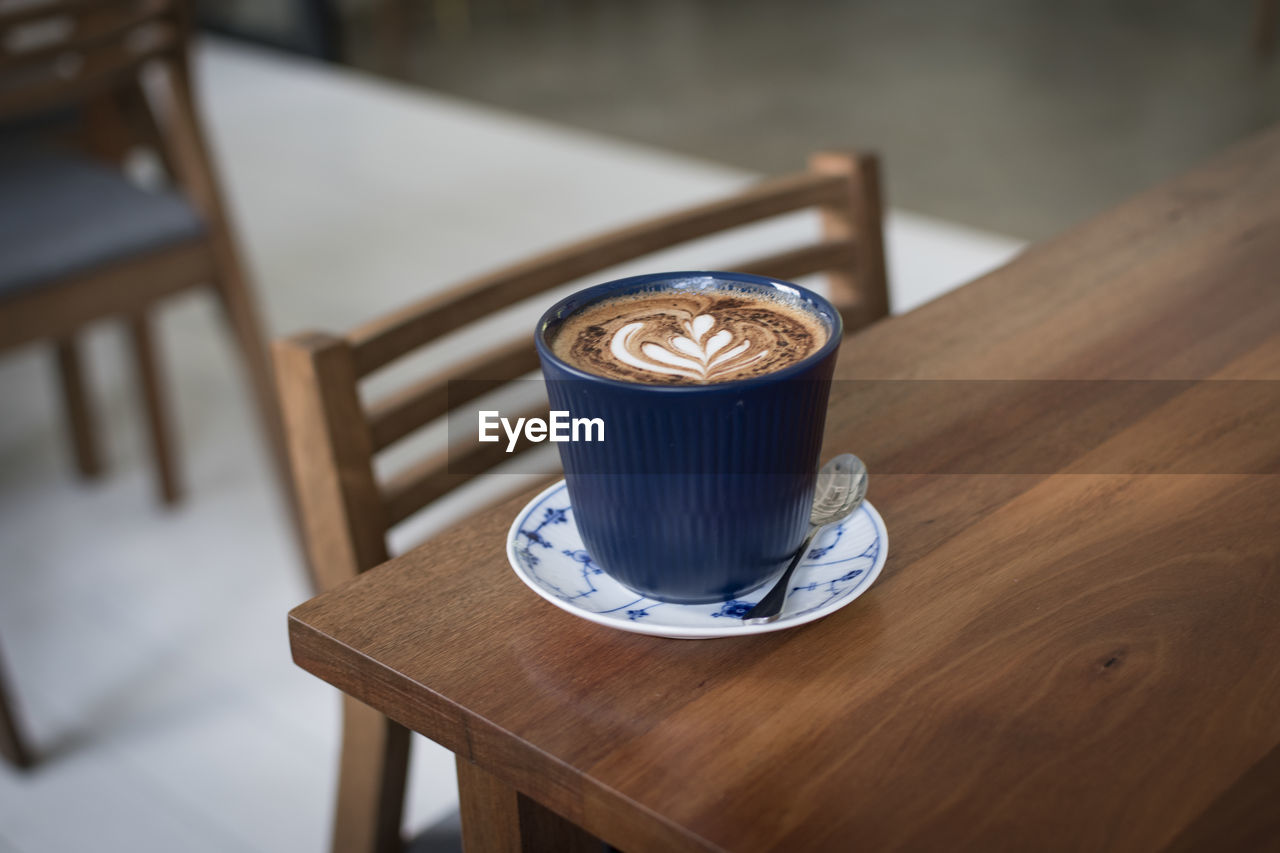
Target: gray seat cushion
(63, 214)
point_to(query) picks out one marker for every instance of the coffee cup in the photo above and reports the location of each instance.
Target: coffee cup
(712, 391)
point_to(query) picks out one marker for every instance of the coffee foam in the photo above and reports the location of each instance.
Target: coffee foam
(689, 337)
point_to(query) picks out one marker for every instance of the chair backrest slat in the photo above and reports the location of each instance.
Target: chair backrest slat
(57, 54)
(32, 44)
(334, 438)
(397, 415)
(19, 14)
(382, 341)
(827, 255)
(419, 485)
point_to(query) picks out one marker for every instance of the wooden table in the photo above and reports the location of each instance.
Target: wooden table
(1072, 655)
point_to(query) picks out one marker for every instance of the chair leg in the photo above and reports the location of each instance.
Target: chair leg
(84, 439)
(371, 782)
(158, 421)
(12, 746)
(194, 171)
(242, 314)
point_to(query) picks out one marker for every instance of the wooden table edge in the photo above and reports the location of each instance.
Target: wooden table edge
(578, 798)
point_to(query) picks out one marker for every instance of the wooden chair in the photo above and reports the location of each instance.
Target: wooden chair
(334, 437)
(79, 242)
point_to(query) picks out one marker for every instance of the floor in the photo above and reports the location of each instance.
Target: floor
(148, 647)
(1018, 117)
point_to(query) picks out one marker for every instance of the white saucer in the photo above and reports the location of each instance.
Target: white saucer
(546, 551)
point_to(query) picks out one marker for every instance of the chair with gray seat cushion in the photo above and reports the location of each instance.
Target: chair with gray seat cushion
(62, 214)
(80, 242)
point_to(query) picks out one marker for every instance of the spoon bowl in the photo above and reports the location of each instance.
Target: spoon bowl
(841, 488)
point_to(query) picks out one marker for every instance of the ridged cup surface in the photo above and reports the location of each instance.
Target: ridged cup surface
(698, 493)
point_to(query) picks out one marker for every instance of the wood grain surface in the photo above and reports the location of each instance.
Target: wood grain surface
(1055, 660)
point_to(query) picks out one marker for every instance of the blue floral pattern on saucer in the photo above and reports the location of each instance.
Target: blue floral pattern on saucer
(546, 552)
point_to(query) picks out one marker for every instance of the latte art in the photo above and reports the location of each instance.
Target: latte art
(688, 337)
(695, 358)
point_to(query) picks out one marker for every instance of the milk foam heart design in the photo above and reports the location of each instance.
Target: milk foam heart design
(696, 359)
(694, 337)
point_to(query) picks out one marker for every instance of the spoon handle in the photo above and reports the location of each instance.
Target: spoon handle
(770, 607)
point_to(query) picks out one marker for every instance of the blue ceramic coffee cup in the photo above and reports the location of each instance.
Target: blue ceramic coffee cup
(698, 493)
